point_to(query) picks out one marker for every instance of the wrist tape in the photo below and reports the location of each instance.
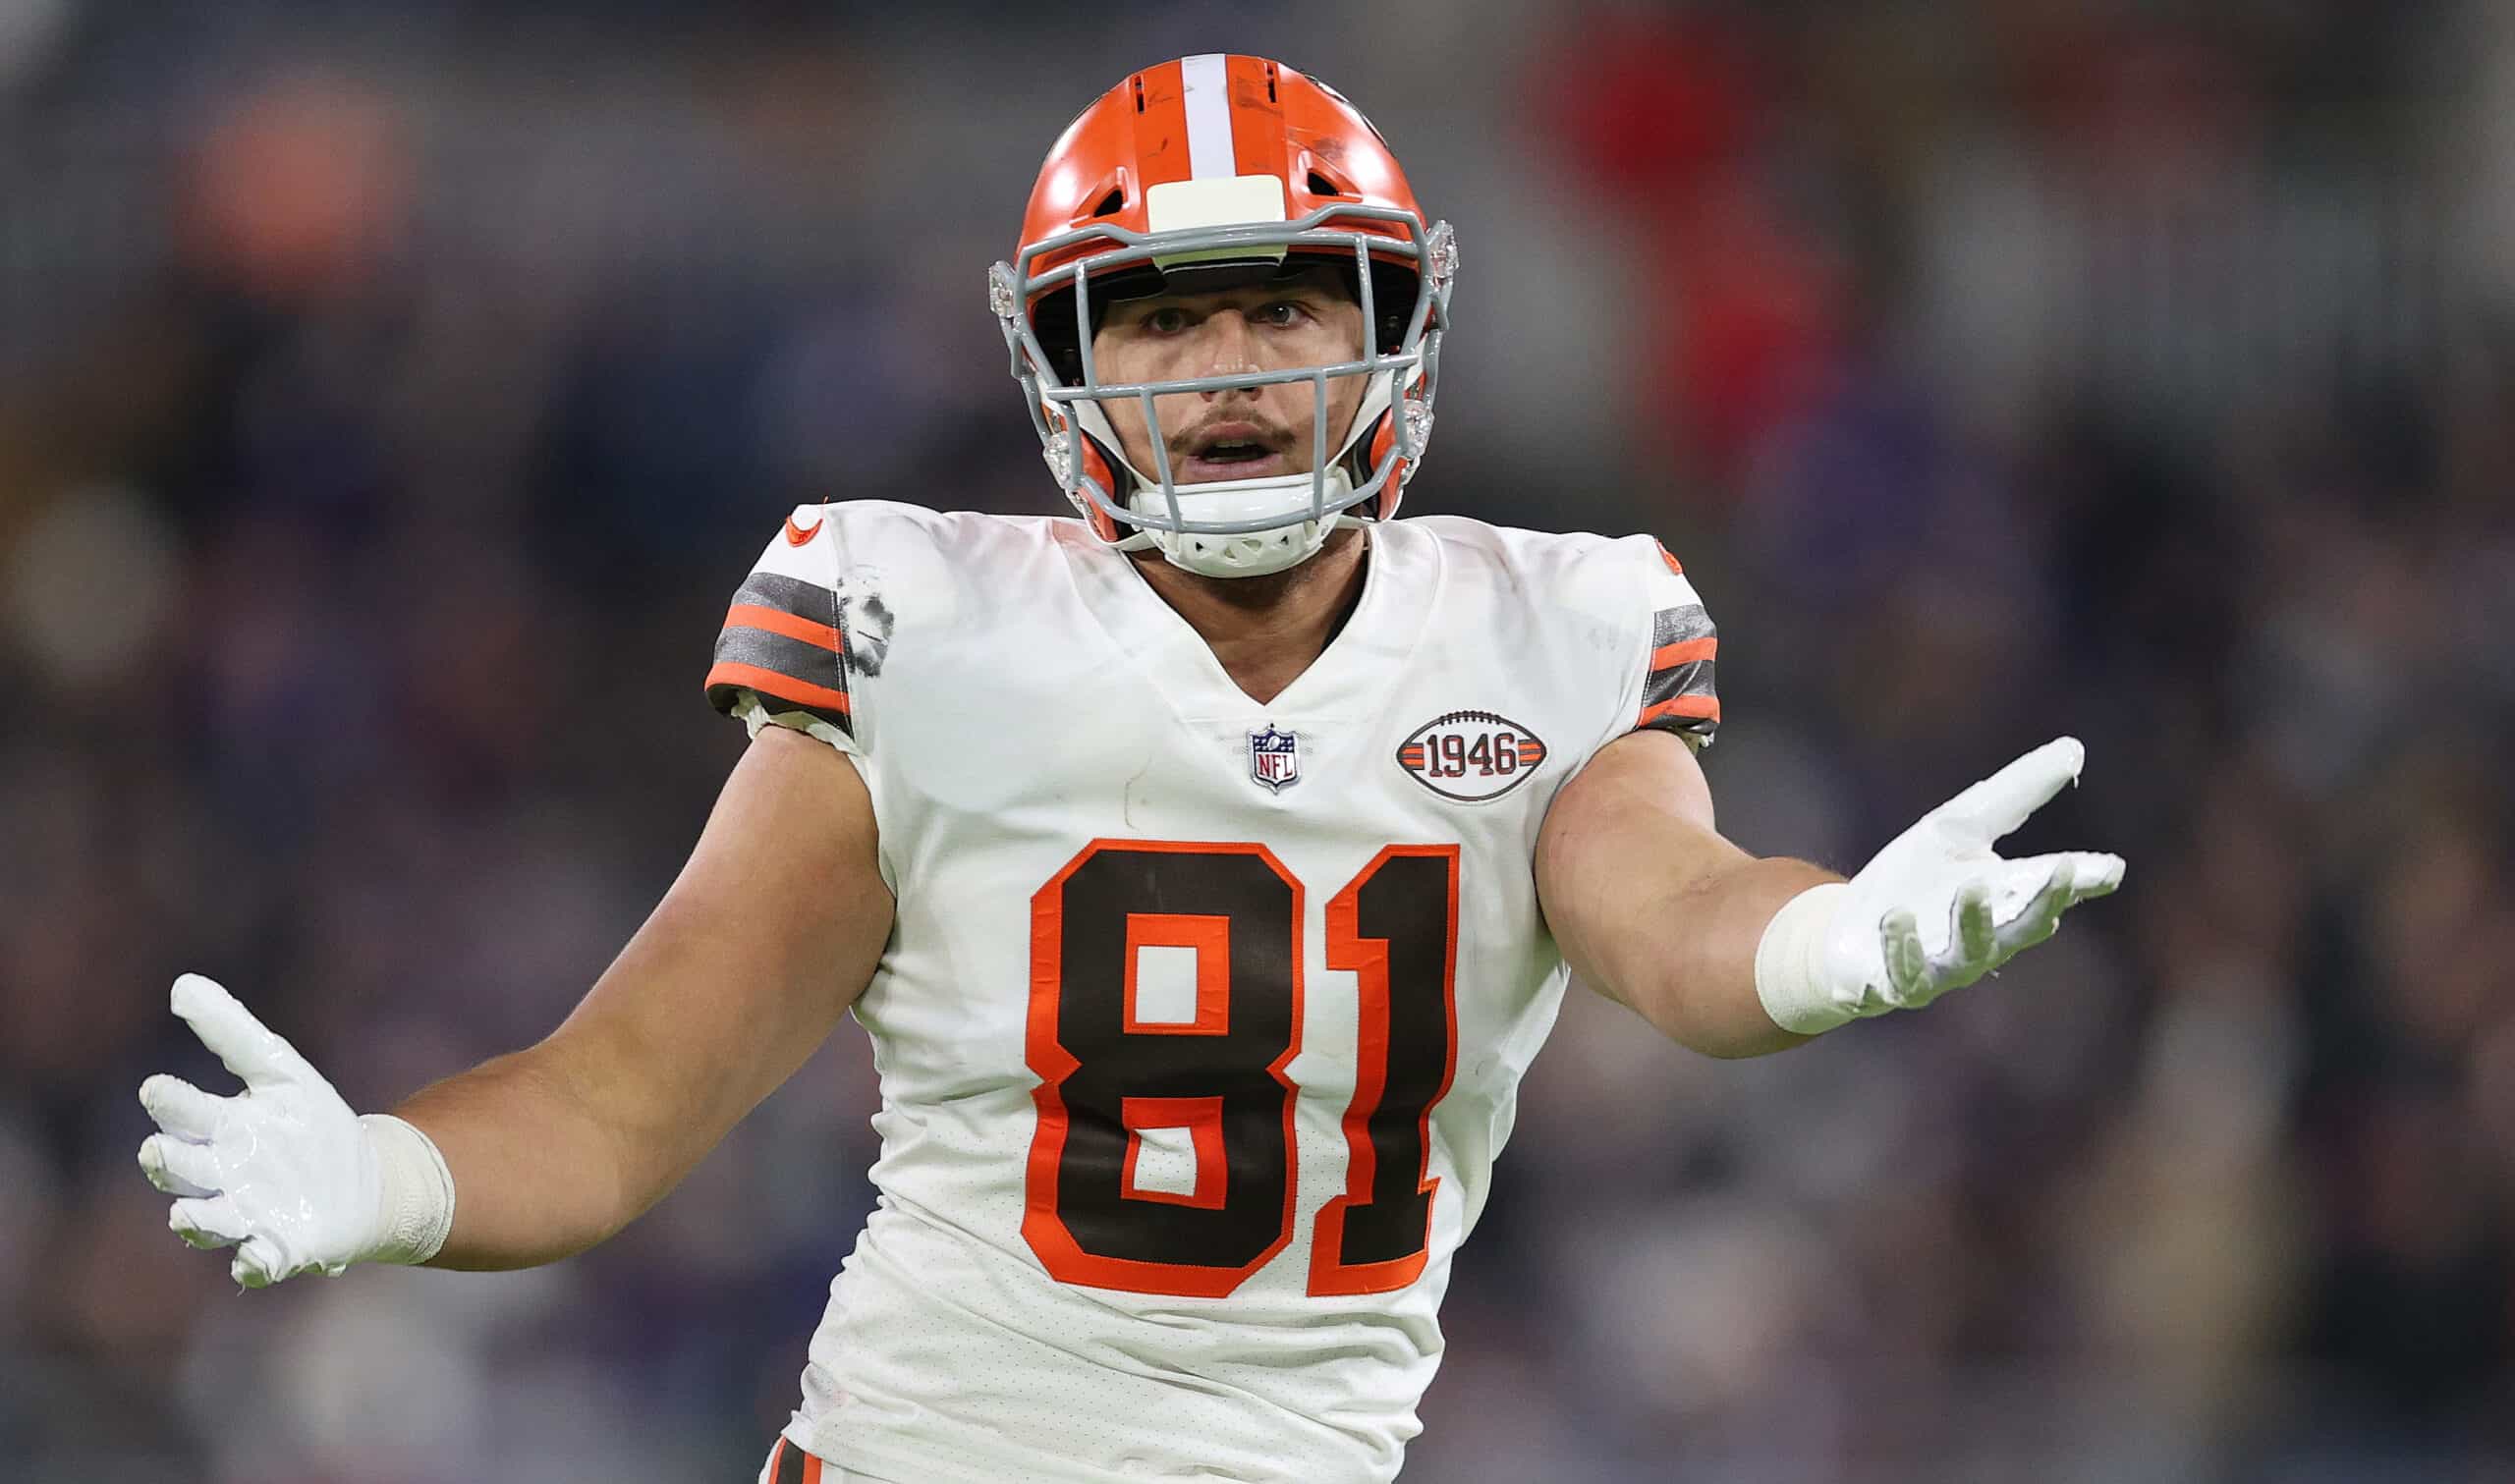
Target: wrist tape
(1790, 963)
(418, 1191)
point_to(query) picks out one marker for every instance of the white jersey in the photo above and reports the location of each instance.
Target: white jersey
(1202, 1019)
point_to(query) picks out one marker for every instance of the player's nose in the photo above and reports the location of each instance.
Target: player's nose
(1228, 350)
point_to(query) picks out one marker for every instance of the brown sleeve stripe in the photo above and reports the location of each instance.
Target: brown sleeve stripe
(1675, 626)
(1683, 646)
(777, 691)
(1677, 690)
(1666, 685)
(779, 621)
(1684, 652)
(807, 662)
(769, 589)
(809, 659)
(1677, 710)
(771, 683)
(785, 641)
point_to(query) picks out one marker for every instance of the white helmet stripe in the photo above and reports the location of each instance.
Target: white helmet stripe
(1206, 86)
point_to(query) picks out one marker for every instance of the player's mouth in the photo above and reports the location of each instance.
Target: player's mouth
(1233, 451)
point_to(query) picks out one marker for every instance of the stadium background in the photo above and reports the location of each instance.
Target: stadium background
(391, 393)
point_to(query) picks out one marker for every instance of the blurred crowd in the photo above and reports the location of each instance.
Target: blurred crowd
(392, 393)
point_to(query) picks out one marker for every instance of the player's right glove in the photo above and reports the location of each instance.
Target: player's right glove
(284, 1171)
(1935, 911)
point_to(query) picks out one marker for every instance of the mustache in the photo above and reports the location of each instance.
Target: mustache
(1273, 435)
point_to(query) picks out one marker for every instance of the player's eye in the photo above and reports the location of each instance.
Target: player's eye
(1283, 314)
(1167, 321)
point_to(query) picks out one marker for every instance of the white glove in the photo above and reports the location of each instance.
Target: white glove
(283, 1171)
(1935, 911)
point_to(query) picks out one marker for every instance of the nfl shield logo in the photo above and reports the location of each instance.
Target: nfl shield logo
(1274, 757)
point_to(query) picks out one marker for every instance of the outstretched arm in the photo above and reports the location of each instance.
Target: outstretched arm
(1736, 955)
(1652, 907)
(768, 936)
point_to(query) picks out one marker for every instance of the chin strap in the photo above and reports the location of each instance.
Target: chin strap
(1251, 553)
(1367, 438)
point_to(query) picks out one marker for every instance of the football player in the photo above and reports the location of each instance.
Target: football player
(1205, 869)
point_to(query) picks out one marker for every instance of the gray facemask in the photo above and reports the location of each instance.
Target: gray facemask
(1238, 528)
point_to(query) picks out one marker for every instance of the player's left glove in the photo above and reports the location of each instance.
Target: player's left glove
(1935, 911)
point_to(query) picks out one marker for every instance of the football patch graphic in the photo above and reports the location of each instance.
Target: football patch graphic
(1471, 755)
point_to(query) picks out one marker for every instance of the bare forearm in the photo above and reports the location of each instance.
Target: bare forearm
(743, 970)
(1653, 908)
(557, 1148)
(554, 1148)
(1700, 989)
(536, 1178)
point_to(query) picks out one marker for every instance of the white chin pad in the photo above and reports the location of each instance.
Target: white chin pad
(1254, 553)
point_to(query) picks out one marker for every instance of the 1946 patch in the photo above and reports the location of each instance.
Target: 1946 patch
(1471, 755)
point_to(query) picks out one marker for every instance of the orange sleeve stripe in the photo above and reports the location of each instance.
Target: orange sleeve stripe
(1684, 652)
(779, 621)
(775, 687)
(1699, 707)
(1665, 556)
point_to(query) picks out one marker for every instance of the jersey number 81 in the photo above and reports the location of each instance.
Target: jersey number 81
(1105, 1074)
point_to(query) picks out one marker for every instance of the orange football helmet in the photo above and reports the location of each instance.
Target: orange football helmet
(1203, 171)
